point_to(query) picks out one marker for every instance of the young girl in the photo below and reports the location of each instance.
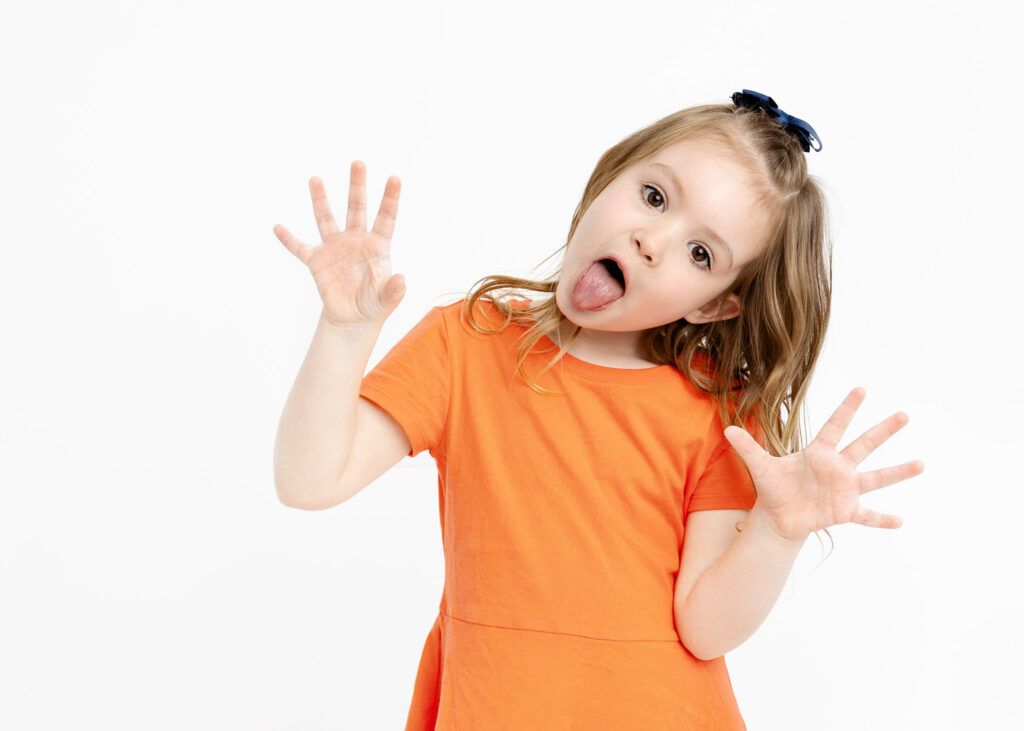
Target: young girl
(610, 530)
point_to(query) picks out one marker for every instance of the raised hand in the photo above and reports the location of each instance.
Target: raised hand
(352, 268)
(818, 486)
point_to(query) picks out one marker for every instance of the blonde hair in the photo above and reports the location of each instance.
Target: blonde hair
(762, 359)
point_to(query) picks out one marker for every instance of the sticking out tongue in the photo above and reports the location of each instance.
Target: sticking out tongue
(596, 288)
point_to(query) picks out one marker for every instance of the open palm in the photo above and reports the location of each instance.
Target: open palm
(352, 267)
(819, 486)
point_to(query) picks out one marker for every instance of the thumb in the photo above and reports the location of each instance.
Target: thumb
(745, 445)
(394, 290)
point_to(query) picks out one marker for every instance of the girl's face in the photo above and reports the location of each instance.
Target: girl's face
(681, 225)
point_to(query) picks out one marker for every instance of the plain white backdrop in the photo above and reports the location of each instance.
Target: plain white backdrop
(152, 326)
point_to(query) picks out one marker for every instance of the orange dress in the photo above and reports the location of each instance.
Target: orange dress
(562, 521)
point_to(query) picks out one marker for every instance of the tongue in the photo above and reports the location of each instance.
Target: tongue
(596, 288)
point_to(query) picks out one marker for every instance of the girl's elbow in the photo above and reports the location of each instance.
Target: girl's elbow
(700, 653)
(688, 641)
(695, 648)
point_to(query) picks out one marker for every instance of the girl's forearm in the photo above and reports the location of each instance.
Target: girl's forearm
(318, 423)
(733, 596)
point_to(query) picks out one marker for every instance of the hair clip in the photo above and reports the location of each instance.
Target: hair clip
(793, 125)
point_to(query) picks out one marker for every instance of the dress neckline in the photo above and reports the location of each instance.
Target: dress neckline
(609, 374)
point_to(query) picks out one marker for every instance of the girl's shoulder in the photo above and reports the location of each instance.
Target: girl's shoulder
(488, 314)
(485, 319)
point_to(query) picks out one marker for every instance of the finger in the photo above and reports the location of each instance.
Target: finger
(356, 218)
(889, 475)
(321, 209)
(384, 223)
(746, 446)
(293, 245)
(832, 432)
(874, 519)
(870, 440)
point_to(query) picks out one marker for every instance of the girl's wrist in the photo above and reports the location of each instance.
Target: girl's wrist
(760, 523)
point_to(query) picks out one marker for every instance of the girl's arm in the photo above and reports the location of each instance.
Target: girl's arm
(330, 442)
(797, 494)
(728, 581)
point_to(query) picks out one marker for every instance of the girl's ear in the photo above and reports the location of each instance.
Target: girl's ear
(720, 308)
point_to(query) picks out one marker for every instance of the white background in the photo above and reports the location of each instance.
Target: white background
(152, 326)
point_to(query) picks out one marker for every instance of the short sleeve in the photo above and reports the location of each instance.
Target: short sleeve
(412, 381)
(726, 483)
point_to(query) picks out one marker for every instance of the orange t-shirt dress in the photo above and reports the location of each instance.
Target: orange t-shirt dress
(562, 520)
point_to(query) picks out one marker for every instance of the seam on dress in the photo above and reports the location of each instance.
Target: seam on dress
(551, 632)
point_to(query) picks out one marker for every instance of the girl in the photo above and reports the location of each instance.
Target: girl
(610, 530)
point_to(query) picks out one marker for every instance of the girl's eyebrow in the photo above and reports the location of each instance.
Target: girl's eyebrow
(679, 189)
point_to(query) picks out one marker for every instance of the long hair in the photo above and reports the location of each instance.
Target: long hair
(761, 360)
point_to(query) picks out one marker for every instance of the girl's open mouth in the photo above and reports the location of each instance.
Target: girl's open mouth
(600, 284)
(616, 271)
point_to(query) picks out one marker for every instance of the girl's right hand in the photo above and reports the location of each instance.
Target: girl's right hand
(352, 268)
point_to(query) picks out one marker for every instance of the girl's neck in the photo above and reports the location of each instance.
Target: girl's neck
(609, 349)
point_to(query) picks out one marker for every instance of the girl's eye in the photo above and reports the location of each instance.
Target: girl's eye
(659, 198)
(703, 259)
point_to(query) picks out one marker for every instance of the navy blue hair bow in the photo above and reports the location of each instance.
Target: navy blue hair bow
(804, 132)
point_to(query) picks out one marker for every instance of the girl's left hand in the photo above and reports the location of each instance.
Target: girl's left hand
(818, 487)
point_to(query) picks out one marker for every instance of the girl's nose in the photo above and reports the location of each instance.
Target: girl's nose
(650, 244)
